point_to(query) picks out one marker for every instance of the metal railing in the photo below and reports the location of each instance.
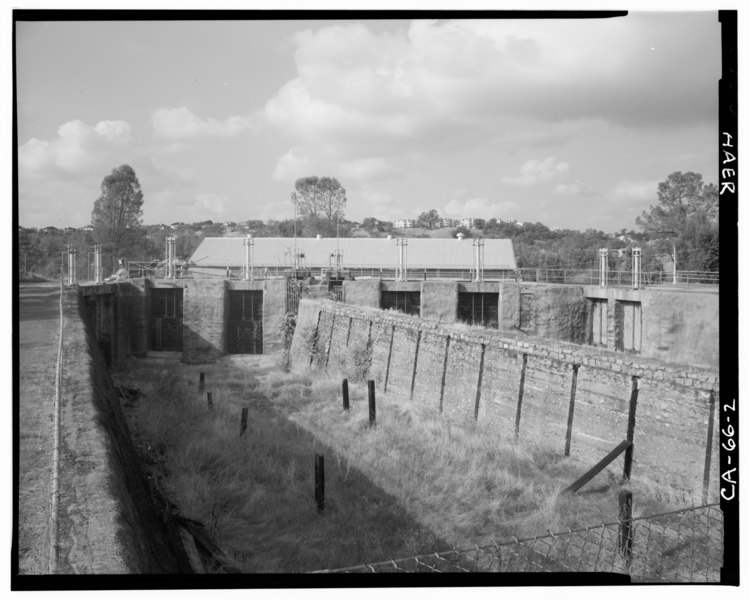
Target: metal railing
(616, 278)
(623, 278)
(684, 546)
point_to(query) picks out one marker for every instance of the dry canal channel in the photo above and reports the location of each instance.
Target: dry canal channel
(412, 484)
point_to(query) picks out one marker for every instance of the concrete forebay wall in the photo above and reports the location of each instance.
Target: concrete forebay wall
(439, 301)
(121, 315)
(203, 325)
(678, 326)
(108, 523)
(558, 312)
(274, 309)
(364, 292)
(681, 326)
(574, 399)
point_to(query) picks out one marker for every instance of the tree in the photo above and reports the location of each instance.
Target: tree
(429, 218)
(685, 221)
(29, 253)
(319, 198)
(464, 230)
(118, 210)
(679, 197)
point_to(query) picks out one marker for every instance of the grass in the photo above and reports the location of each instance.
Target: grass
(460, 481)
(414, 483)
(255, 493)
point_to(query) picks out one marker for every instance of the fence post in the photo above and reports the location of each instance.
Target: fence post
(344, 390)
(201, 385)
(624, 542)
(320, 482)
(631, 422)
(243, 425)
(372, 409)
(210, 400)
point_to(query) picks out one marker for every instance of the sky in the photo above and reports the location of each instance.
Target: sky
(568, 122)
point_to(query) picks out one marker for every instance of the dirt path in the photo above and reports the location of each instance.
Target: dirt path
(38, 341)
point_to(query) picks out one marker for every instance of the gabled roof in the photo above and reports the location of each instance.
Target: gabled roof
(421, 253)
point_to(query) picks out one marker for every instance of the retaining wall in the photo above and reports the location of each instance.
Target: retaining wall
(574, 399)
(108, 522)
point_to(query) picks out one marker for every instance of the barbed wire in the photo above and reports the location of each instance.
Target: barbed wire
(683, 546)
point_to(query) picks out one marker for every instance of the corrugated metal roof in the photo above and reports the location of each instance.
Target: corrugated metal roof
(367, 253)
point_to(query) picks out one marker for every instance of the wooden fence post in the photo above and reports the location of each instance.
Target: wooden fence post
(416, 361)
(372, 409)
(243, 425)
(571, 411)
(390, 353)
(344, 390)
(599, 466)
(478, 384)
(320, 482)
(631, 423)
(520, 396)
(444, 371)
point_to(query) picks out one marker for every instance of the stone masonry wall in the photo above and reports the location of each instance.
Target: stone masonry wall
(568, 397)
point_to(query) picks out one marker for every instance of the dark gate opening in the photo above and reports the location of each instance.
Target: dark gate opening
(628, 333)
(245, 327)
(479, 308)
(166, 320)
(407, 302)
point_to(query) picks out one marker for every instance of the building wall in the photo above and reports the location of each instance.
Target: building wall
(543, 381)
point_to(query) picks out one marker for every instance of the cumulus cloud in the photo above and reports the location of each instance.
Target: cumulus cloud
(78, 148)
(635, 190)
(368, 202)
(534, 172)
(290, 167)
(210, 202)
(182, 123)
(550, 172)
(441, 84)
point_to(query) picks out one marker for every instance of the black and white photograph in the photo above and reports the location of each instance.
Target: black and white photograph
(305, 295)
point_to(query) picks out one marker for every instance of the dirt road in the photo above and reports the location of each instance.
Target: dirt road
(38, 341)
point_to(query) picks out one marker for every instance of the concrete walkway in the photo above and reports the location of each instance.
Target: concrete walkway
(39, 311)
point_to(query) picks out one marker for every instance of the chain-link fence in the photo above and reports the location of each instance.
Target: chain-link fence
(684, 546)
